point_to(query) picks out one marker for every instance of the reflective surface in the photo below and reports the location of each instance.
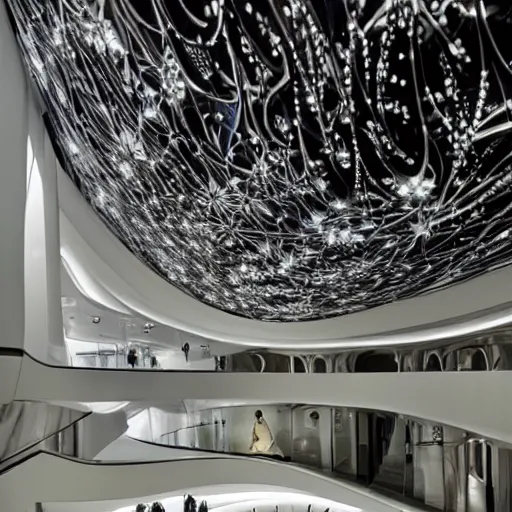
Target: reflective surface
(27, 427)
(433, 464)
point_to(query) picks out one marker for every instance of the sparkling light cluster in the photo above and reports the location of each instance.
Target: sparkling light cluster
(286, 159)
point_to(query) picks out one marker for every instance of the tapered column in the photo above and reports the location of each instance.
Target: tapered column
(30, 313)
(43, 322)
(13, 152)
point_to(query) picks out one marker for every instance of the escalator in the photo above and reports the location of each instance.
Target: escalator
(27, 428)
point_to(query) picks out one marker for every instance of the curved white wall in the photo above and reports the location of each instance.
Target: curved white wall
(13, 153)
(61, 480)
(110, 274)
(473, 401)
(98, 431)
(44, 337)
(30, 312)
(124, 448)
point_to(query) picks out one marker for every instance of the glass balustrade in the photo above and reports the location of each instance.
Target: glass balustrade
(490, 352)
(433, 464)
(414, 460)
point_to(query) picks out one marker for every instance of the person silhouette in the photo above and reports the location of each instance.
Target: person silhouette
(132, 358)
(185, 349)
(262, 439)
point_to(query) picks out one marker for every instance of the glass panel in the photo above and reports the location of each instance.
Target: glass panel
(311, 436)
(344, 442)
(479, 361)
(376, 362)
(433, 364)
(298, 365)
(319, 365)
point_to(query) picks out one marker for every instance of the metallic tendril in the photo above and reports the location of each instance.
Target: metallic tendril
(286, 160)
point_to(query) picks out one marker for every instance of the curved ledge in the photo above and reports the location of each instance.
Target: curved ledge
(10, 369)
(472, 401)
(187, 452)
(140, 450)
(107, 271)
(54, 479)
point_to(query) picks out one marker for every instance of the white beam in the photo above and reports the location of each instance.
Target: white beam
(13, 155)
(473, 401)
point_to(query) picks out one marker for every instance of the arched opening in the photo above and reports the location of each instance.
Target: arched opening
(373, 362)
(258, 362)
(479, 361)
(320, 365)
(479, 459)
(245, 362)
(276, 363)
(433, 364)
(298, 365)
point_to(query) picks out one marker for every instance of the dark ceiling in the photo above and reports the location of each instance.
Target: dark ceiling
(286, 160)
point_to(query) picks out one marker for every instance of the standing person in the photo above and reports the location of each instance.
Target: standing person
(185, 349)
(262, 439)
(154, 361)
(132, 358)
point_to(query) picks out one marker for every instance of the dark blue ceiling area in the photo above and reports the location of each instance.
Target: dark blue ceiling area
(286, 160)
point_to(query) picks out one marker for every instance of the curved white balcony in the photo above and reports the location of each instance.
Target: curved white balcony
(472, 401)
(57, 479)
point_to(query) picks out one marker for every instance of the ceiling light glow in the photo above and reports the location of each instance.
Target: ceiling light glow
(285, 163)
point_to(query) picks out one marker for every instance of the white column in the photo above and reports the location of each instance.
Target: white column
(13, 152)
(53, 262)
(30, 313)
(43, 321)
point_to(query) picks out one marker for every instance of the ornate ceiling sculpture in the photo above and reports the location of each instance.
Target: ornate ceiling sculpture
(286, 159)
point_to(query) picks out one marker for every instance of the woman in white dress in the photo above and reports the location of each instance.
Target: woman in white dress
(262, 439)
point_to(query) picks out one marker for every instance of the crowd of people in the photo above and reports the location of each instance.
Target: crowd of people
(189, 505)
